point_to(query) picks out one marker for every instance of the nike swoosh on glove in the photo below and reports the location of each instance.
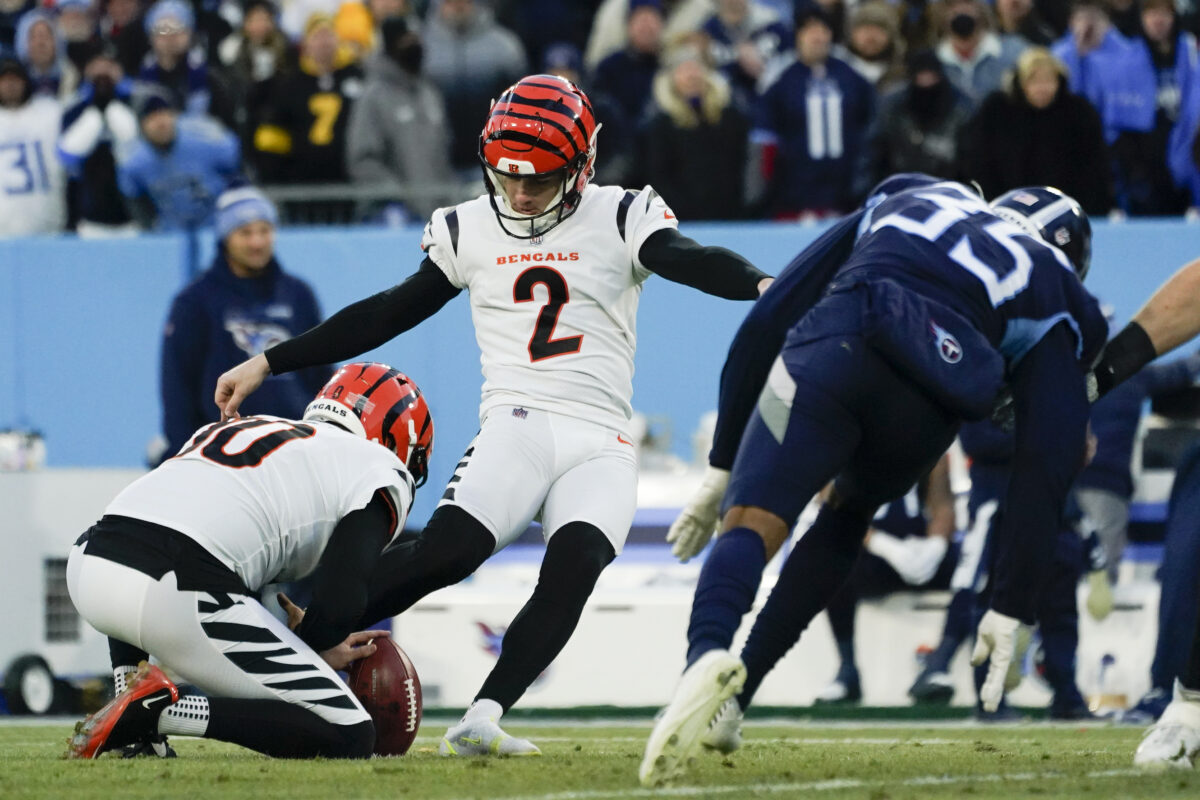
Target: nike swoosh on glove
(1001, 640)
(916, 558)
(697, 522)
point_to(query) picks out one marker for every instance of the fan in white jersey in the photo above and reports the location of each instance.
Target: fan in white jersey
(554, 267)
(173, 568)
(33, 194)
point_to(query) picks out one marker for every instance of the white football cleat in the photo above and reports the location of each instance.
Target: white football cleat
(704, 687)
(725, 731)
(1174, 740)
(483, 737)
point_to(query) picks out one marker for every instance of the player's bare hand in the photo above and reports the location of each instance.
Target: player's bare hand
(698, 521)
(356, 646)
(237, 384)
(294, 612)
(764, 284)
(1001, 641)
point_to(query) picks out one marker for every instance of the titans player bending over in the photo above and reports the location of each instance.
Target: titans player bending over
(857, 366)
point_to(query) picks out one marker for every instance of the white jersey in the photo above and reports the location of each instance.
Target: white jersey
(555, 316)
(263, 494)
(33, 194)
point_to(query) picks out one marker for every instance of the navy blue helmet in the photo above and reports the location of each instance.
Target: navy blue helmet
(1055, 217)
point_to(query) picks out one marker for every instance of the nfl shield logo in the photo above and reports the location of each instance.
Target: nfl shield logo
(948, 347)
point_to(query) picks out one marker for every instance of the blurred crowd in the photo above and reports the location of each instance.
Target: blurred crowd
(120, 115)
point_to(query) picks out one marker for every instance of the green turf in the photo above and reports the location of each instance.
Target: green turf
(582, 763)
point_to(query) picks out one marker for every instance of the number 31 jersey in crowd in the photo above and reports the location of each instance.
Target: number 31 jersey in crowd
(555, 316)
(32, 181)
(263, 494)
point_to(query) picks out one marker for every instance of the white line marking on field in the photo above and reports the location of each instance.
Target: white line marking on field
(789, 740)
(818, 786)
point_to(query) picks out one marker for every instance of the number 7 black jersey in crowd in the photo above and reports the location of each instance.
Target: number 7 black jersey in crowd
(301, 134)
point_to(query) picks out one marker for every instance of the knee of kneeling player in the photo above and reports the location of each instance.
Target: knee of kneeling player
(575, 556)
(357, 741)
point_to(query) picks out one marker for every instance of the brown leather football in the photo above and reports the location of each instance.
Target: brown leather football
(387, 685)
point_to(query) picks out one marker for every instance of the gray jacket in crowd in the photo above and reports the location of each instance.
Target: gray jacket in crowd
(398, 133)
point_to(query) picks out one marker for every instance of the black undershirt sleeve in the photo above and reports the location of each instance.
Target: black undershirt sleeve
(367, 324)
(1123, 356)
(340, 580)
(712, 270)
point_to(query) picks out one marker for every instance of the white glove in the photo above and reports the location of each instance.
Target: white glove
(1100, 596)
(915, 559)
(1002, 641)
(698, 520)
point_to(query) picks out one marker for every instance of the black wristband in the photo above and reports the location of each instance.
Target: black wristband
(1125, 354)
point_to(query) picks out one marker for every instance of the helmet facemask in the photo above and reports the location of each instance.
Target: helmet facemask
(540, 129)
(571, 179)
(527, 226)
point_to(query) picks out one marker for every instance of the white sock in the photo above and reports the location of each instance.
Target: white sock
(121, 677)
(188, 717)
(484, 709)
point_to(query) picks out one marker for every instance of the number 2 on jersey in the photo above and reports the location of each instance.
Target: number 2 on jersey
(216, 437)
(541, 345)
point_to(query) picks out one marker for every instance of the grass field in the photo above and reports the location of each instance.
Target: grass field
(952, 760)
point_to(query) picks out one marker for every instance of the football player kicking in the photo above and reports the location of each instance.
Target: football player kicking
(172, 569)
(1168, 319)
(858, 365)
(554, 267)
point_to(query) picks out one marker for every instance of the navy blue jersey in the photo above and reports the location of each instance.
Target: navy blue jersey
(952, 302)
(934, 239)
(218, 321)
(941, 240)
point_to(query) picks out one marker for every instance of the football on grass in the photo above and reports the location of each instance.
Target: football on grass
(387, 685)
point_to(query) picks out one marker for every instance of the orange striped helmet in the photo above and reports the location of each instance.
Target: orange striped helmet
(381, 404)
(542, 126)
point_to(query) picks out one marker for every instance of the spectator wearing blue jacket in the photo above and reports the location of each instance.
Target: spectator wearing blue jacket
(241, 305)
(1107, 69)
(175, 171)
(1167, 60)
(182, 68)
(810, 128)
(1183, 148)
